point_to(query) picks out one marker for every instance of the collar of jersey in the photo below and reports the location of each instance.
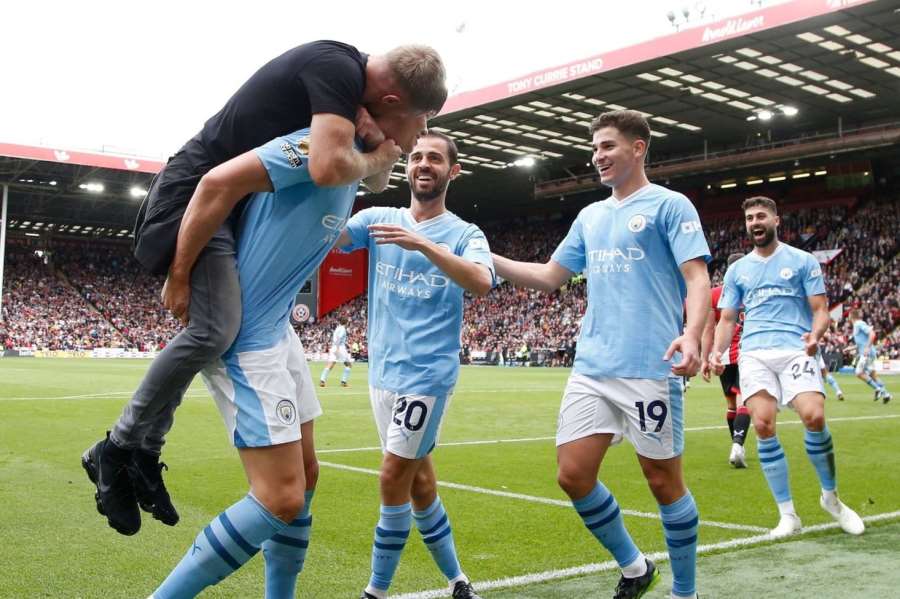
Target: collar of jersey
(781, 244)
(630, 198)
(425, 223)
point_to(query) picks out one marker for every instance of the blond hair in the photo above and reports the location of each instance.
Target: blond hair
(420, 72)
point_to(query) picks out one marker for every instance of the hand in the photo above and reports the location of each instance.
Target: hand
(715, 364)
(176, 297)
(689, 348)
(397, 235)
(811, 343)
(705, 370)
(385, 155)
(367, 129)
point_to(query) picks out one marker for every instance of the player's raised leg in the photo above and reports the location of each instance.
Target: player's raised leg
(810, 407)
(763, 409)
(277, 487)
(578, 466)
(433, 524)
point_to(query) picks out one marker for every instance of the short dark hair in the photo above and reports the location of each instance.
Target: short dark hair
(420, 71)
(732, 258)
(630, 123)
(767, 203)
(452, 150)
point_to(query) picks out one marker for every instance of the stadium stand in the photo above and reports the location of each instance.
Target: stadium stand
(82, 295)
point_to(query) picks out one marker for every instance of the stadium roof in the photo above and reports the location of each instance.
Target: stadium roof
(802, 69)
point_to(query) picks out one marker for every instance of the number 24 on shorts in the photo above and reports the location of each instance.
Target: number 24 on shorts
(807, 368)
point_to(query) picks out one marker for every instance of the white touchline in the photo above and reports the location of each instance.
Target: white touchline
(539, 577)
(544, 500)
(689, 429)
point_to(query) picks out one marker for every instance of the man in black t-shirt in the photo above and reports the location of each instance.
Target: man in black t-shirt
(185, 227)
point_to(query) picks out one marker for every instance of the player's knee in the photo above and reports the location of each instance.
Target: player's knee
(285, 501)
(574, 482)
(814, 420)
(392, 475)
(764, 427)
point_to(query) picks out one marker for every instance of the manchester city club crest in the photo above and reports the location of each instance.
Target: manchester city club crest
(303, 146)
(637, 223)
(286, 411)
(786, 273)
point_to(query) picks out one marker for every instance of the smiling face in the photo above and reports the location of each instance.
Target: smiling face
(616, 157)
(762, 225)
(429, 169)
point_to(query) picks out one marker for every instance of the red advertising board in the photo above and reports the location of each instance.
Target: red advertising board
(342, 277)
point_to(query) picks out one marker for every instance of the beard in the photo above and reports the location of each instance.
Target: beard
(766, 240)
(439, 187)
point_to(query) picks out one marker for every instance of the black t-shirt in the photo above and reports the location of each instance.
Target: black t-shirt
(282, 96)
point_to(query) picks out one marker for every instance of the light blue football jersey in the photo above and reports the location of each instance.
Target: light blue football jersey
(415, 310)
(774, 292)
(861, 332)
(282, 238)
(339, 336)
(630, 252)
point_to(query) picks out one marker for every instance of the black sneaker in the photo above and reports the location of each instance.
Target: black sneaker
(366, 595)
(632, 588)
(464, 590)
(146, 476)
(107, 467)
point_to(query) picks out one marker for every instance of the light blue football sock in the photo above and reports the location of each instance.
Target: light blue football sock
(390, 539)
(680, 520)
(872, 383)
(324, 376)
(229, 541)
(775, 467)
(434, 526)
(346, 375)
(600, 513)
(834, 384)
(285, 553)
(820, 450)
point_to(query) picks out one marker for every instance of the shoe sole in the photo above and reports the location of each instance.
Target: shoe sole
(87, 462)
(150, 508)
(655, 581)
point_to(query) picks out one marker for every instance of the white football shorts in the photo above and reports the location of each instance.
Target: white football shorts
(339, 353)
(264, 395)
(865, 364)
(783, 373)
(649, 413)
(408, 423)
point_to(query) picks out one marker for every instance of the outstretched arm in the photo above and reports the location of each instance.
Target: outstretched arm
(534, 275)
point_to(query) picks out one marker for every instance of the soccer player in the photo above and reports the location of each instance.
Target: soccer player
(262, 384)
(421, 260)
(864, 337)
(737, 416)
(326, 86)
(827, 376)
(643, 252)
(782, 292)
(338, 353)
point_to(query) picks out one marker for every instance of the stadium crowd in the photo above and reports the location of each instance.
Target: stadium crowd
(82, 295)
(42, 311)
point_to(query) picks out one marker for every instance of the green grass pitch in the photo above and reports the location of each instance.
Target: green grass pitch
(509, 518)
